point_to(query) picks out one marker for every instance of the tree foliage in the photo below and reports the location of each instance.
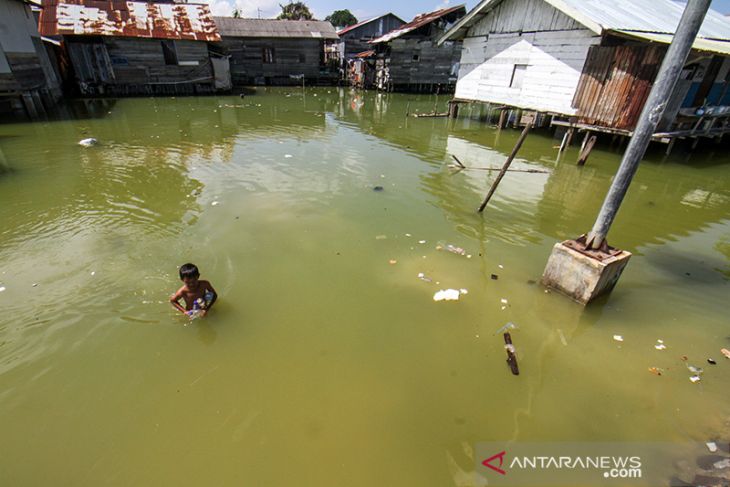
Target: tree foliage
(295, 11)
(237, 13)
(341, 18)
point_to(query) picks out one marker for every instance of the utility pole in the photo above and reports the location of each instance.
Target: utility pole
(586, 269)
(259, 12)
(666, 80)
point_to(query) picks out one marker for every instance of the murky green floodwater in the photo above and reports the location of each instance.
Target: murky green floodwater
(323, 364)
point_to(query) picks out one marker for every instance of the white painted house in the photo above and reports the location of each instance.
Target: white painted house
(533, 54)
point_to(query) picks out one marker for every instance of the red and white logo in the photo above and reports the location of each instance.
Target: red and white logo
(488, 462)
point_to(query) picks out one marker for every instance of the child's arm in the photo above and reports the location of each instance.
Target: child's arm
(174, 301)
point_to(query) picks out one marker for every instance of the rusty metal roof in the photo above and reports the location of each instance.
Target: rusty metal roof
(307, 29)
(418, 22)
(365, 54)
(127, 19)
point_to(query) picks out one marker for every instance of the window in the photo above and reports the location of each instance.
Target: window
(416, 57)
(169, 52)
(267, 55)
(518, 75)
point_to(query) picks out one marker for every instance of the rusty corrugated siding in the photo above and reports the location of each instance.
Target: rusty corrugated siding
(615, 84)
(128, 19)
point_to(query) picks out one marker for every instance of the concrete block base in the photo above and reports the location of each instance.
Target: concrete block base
(581, 276)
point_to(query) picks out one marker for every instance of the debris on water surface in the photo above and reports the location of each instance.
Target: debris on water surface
(503, 301)
(392, 262)
(288, 156)
(494, 277)
(618, 338)
(725, 352)
(377, 188)
(452, 248)
(722, 464)
(511, 357)
(215, 203)
(381, 237)
(695, 378)
(501, 266)
(508, 326)
(660, 346)
(712, 446)
(421, 241)
(424, 277)
(695, 370)
(655, 370)
(447, 295)
(711, 361)
(88, 142)
(2, 288)
(408, 234)
(93, 273)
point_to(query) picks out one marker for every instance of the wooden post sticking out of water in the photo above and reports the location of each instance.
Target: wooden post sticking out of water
(506, 165)
(502, 114)
(587, 150)
(511, 357)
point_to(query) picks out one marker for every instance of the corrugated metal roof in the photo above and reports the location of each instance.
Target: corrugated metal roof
(318, 29)
(365, 54)
(710, 45)
(418, 22)
(127, 19)
(364, 22)
(638, 16)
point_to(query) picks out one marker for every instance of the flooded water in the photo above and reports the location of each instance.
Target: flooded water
(323, 363)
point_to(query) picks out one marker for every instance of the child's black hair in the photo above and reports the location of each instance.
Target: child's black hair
(189, 270)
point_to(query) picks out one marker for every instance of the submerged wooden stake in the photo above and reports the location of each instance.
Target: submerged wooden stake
(587, 150)
(458, 161)
(502, 172)
(511, 357)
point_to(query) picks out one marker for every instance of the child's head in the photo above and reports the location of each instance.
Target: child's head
(189, 273)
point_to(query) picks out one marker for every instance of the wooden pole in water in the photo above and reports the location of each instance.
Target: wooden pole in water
(511, 357)
(502, 113)
(509, 160)
(587, 150)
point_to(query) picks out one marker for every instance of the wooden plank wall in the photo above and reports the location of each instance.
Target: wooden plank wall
(291, 57)
(131, 66)
(615, 84)
(433, 67)
(554, 61)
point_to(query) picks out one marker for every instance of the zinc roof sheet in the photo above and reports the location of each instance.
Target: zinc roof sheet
(127, 19)
(318, 29)
(417, 22)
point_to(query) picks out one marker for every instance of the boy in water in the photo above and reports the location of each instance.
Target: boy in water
(199, 295)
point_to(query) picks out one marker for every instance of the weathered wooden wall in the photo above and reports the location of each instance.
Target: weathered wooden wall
(292, 57)
(551, 46)
(414, 61)
(128, 66)
(615, 84)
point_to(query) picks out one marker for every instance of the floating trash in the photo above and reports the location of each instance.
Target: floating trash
(695, 370)
(424, 277)
(215, 203)
(88, 142)
(508, 326)
(618, 338)
(660, 346)
(452, 248)
(655, 370)
(93, 273)
(562, 338)
(392, 262)
(447, 295)
(381, 237)
(378, 188)
(503, 301)
(695, 378)
(2, 288)
(725, 352)
(712, 446)
(494, 277)
(421, 241)
(288, 156)
(722, 464)
(711, 361)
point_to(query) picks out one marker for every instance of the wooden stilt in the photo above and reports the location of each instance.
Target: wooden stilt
(571, 132)
(587, 150)
(507, 163)
(670, 145)
(563, 142)
(502, 114)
